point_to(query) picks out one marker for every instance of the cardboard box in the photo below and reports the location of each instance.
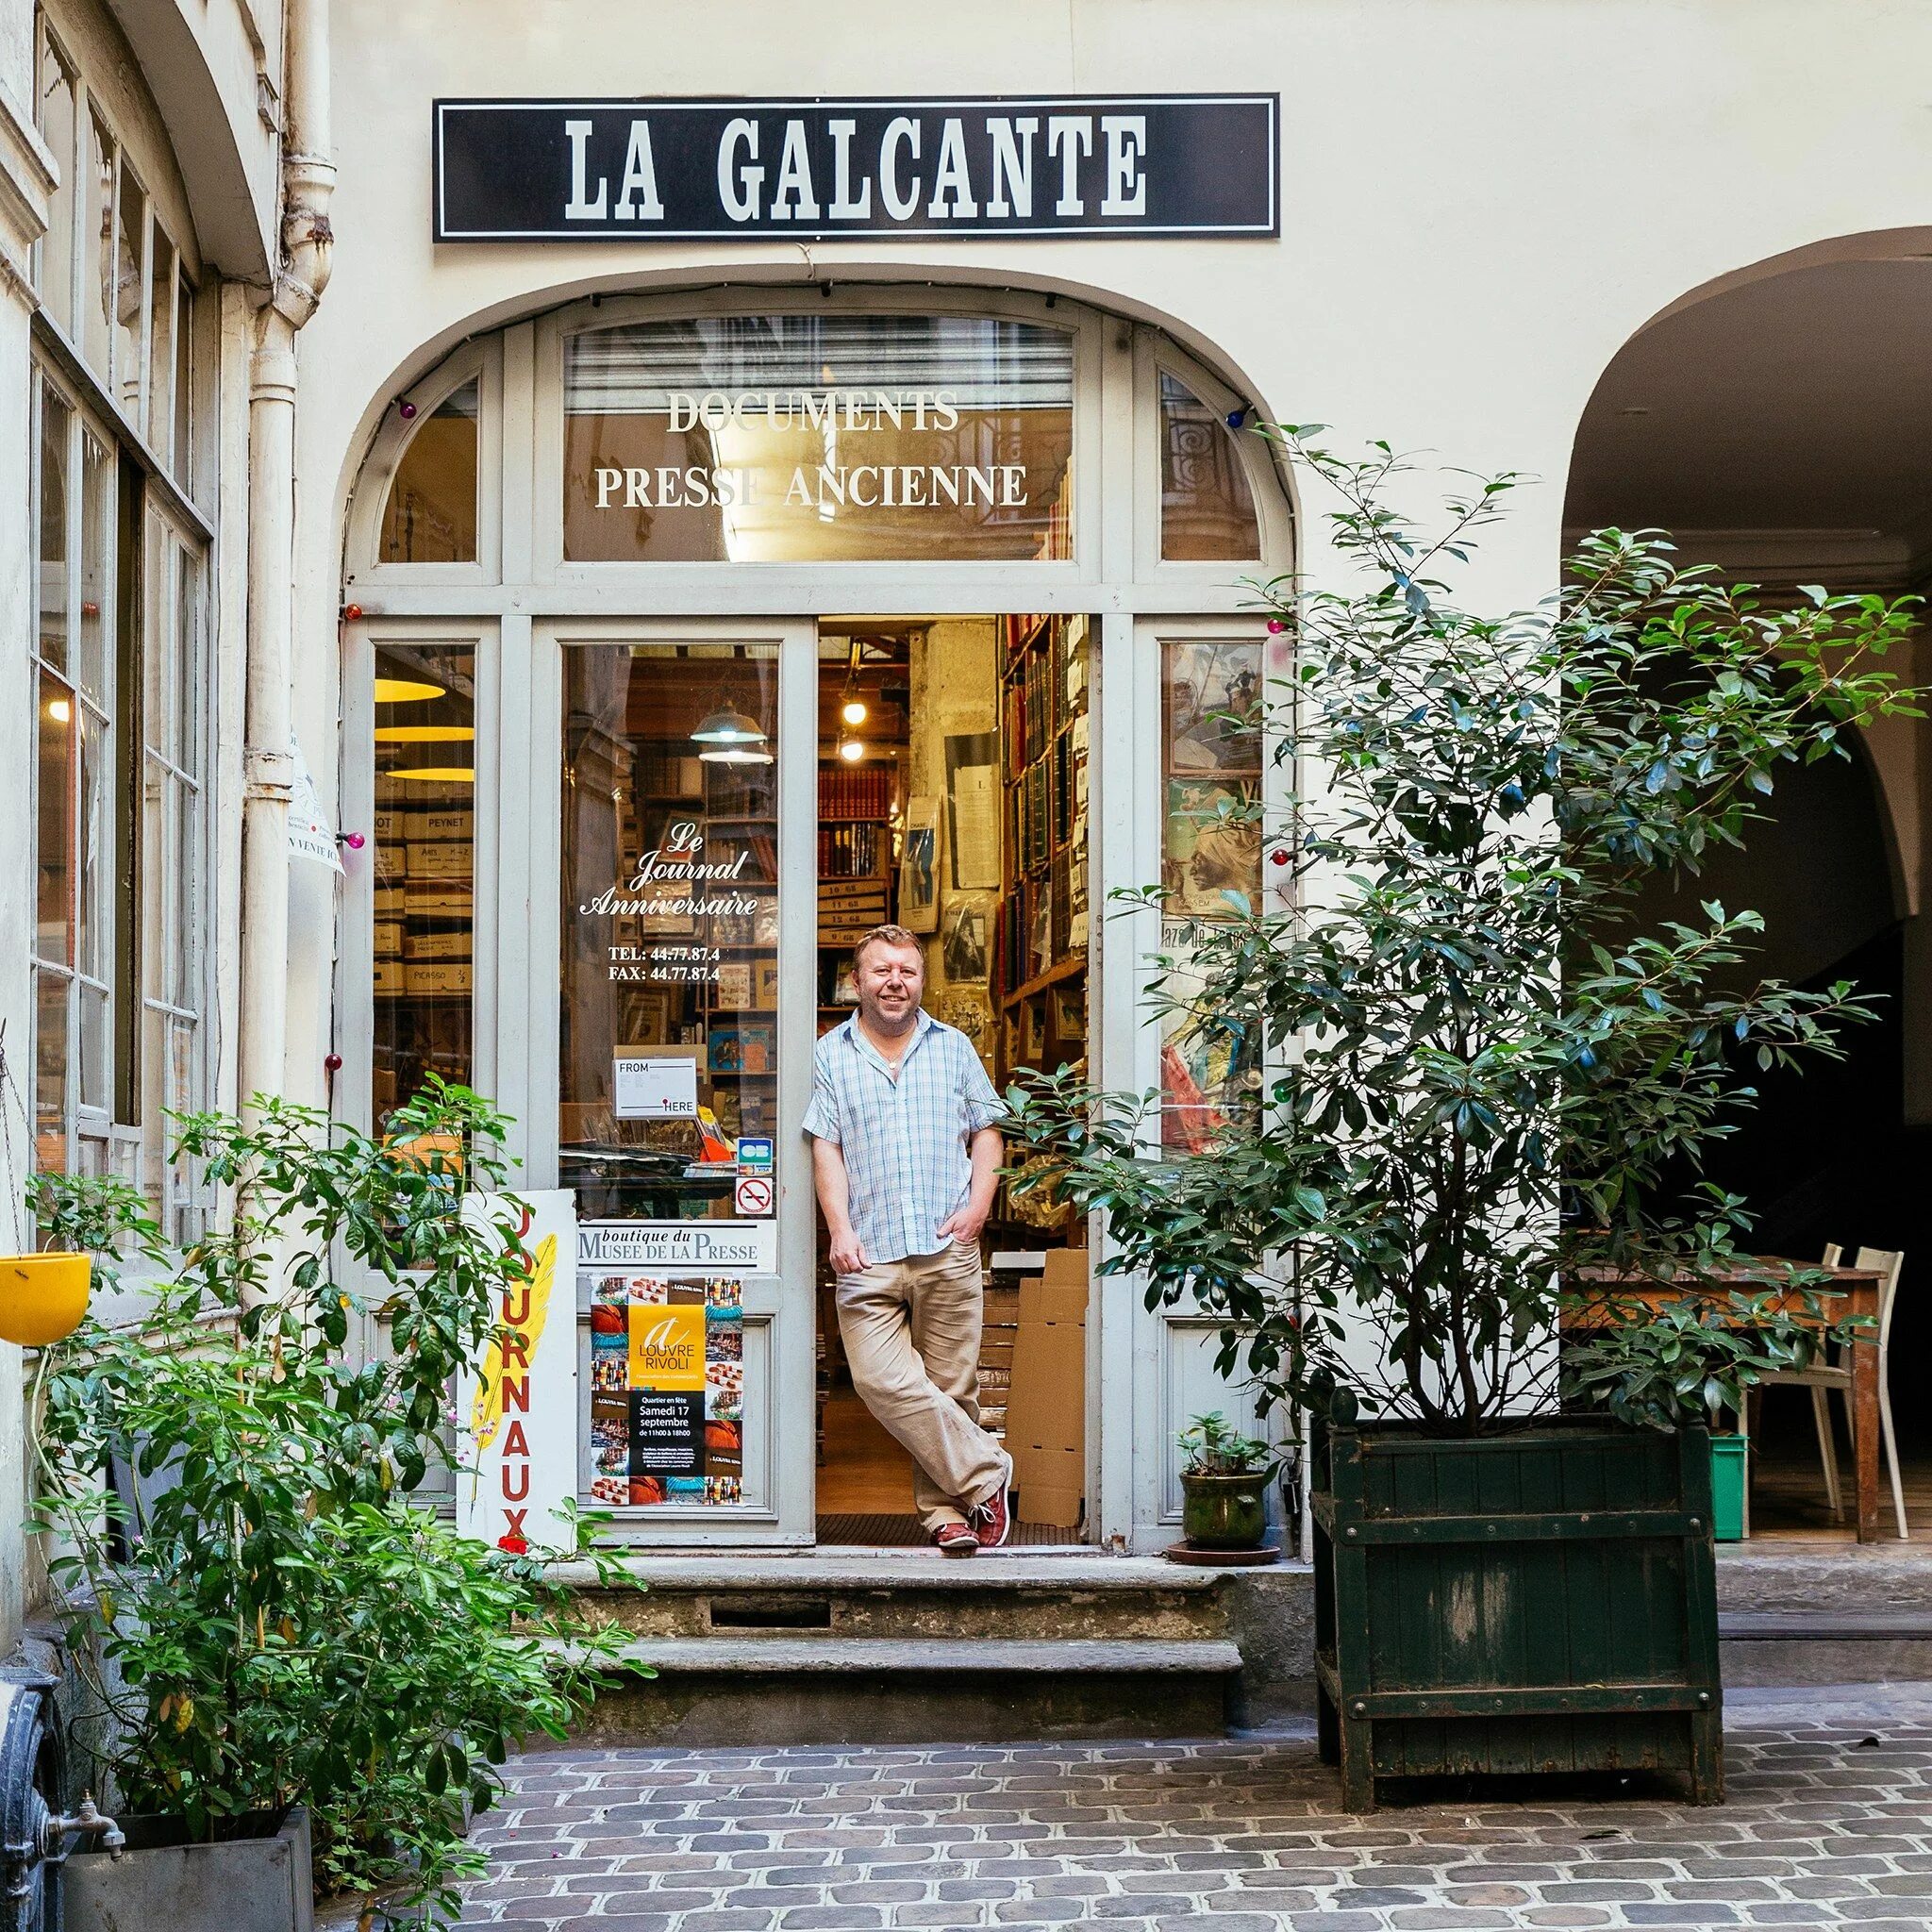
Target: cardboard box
(436, 946)
(1046, 1402)
(387, 825)
(387, 979)
(440, 822)
(390, 901)
(389, 938)
(437, 979)
(447, 859)
(436, 901)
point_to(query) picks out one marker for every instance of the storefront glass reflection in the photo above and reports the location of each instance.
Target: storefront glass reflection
(791, 438)
(1210, 1065)
(1206, 509)
(425, 787)
(669, 1022)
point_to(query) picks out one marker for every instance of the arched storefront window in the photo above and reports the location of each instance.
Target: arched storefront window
(777, 620)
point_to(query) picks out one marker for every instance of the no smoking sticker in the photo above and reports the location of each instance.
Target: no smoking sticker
(756, 1193)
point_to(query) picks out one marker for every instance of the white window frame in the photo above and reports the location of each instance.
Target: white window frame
(520, 604)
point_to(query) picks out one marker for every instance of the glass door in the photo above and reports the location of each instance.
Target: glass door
(685, 908)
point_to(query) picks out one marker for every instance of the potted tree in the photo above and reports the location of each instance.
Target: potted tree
(1491, 1084)
(290, 1660)
(1224, 1477)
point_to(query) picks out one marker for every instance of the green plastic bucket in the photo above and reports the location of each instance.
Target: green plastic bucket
(1728, 1465)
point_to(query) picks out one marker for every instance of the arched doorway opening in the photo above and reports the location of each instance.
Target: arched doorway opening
(1779, 426)
(852, 606)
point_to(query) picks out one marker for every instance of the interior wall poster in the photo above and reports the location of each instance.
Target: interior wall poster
(972, 791)
(919, 867)
(667, 1390)
(516, 1412)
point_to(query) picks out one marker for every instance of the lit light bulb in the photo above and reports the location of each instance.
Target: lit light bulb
(60, 710)
(851, 749)
(853, 711)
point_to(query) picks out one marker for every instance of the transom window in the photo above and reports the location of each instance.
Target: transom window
(807, 432)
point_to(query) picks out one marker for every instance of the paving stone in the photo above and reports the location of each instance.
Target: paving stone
(1240, 1835)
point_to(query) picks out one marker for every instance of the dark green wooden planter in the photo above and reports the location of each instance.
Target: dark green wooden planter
(1543, 1600)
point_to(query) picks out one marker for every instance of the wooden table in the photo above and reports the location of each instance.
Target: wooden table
(1845, 1291)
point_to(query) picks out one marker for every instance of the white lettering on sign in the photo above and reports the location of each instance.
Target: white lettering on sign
(581, 208)
(829, 415)
(740, 184)
(901, 132)
(1012, 166)
(1070, 136)
(638, 199)
(845, 208)
(661, 170)
(1126, 146)
(791, 192)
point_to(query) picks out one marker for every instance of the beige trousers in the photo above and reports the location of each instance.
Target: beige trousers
(911, 1335)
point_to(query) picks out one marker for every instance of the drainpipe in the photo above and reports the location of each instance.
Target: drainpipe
(308, 182)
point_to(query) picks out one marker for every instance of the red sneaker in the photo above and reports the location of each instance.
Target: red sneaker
(956, 1540)
(992, 1518)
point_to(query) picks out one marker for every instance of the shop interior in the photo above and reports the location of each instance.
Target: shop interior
(952, 801)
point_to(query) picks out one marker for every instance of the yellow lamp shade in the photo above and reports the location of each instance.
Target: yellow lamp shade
(43, 1297)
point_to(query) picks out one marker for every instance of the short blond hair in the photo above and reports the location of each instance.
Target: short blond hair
(884, 936)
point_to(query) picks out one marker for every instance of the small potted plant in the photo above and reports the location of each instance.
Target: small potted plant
(301, 1679)
(1224, 1483)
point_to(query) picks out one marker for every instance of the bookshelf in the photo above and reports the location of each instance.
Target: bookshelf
(855, 886)
(1042, 942)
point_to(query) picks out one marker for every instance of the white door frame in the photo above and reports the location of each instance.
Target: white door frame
(780, 1308)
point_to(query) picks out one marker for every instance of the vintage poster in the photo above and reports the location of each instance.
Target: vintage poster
(1211, 858)
(667, 1356)
(517, 1414)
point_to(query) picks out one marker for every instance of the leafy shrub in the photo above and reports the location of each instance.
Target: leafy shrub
(279, 1622)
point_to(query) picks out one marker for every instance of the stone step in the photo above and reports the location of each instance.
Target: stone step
(1828, 1644)
(724, 1689)
(793, 1656)
(992, 1598)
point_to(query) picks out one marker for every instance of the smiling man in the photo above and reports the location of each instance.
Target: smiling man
(907, 1156)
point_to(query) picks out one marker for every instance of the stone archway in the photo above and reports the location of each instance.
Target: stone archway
(1778, 422)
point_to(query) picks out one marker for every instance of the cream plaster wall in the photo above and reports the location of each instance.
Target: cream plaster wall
(1482, 200)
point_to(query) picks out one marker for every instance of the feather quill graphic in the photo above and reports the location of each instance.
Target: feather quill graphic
(486, 1409)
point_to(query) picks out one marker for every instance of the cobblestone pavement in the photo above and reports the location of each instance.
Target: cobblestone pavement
(1829, 1823)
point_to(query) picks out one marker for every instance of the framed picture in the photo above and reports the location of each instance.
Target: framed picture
(724, 1051)
(1034, 1028)
(765, 972)
(734, 985)
(919, 867)
(963, 950)
(647, 1015)
(1070, 1015)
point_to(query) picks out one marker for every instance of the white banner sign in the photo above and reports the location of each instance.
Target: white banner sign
(310, 835)
(654, 1244)
(517, 1417)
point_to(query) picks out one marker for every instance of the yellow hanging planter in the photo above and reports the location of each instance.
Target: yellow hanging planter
(43, 1297)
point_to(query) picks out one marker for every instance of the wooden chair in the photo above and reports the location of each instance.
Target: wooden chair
(1823, 1378)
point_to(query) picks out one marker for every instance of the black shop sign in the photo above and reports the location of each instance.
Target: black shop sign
(807, 171)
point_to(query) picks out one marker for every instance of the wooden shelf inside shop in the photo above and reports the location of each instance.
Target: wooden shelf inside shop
(1072, 964)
